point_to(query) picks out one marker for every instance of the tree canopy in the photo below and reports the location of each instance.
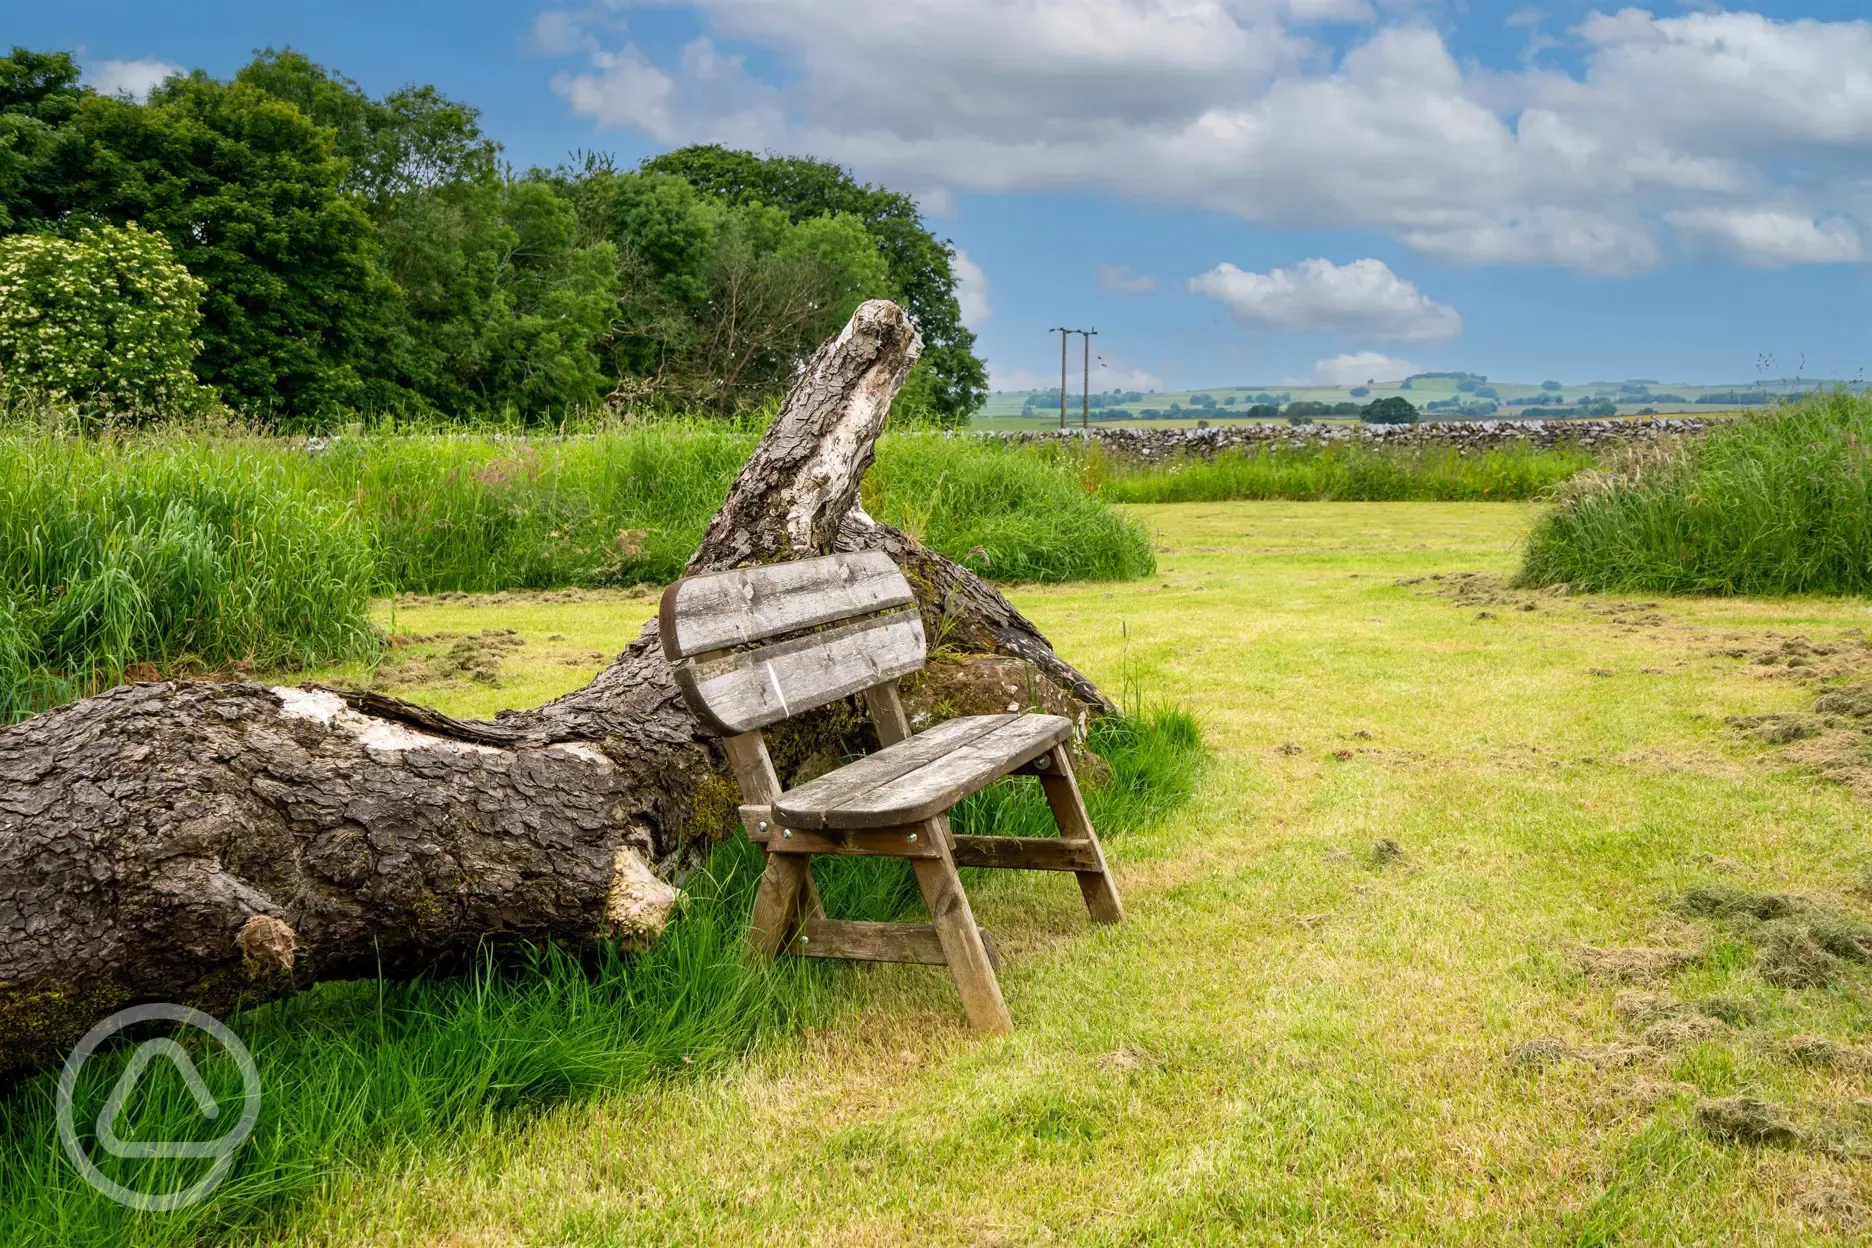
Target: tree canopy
(951, 378)
(1393, 410)
(373, 256)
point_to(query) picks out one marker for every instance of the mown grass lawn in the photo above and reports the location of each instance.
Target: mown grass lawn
(1294, 1039)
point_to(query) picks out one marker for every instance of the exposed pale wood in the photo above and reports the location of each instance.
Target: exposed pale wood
(744, 605)
(875, 842)
(939, 785)
(962, 944)
(1095, 885)
(805, 806)
(741, 692)
(1026, 853)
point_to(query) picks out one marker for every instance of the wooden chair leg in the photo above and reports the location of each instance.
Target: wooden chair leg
(1069, 812)
(784, 885)
(962, 943)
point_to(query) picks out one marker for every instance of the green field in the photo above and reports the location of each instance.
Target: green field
(1002, 410)
(1300, 1036)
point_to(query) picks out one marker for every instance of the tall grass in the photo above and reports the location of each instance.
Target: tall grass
(1776, 502)
(1348, 472)
(354, 1073)
(477, 511)
(217, 547)
(171, 551)
(1010, 513)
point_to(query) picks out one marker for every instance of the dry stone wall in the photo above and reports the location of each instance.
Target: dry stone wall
(1462, 435)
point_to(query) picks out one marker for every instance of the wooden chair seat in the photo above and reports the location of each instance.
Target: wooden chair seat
(922, 776)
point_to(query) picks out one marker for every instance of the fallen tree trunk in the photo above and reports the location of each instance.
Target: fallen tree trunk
(222, 844)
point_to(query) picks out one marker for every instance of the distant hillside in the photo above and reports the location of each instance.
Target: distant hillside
(1448, 396)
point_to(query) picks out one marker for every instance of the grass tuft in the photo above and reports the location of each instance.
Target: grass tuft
(1009, 513)
(1776, 502)
(167, 550)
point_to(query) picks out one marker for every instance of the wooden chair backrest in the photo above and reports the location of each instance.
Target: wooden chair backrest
(753, 646)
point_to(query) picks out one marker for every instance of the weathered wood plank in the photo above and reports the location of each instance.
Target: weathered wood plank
(777, 903)
(722, 609)
(862, 941)
(1026, 853)
(932, 789)
(1095, 884)
(963, 947)
(741, 692)
(806, 806)
(966, 948)
(875, 842)
(887, 713)
(786, 893)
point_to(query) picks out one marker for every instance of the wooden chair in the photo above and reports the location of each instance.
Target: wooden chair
(754, 646)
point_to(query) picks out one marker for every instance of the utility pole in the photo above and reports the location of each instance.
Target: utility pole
(1085, 381)
(1086, 410)
(1062, 331)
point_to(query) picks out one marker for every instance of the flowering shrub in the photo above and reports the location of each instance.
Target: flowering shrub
(105, 322)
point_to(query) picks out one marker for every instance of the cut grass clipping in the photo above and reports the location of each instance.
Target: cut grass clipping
(353, 1073)
(204, 550)
(1776, 502)
(1349, 472)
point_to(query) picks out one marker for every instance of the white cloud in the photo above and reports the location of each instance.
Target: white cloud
(628, 92)
(1359, 367)
(135, 79)
(557, 32)
(1121, 281)
(1766, 238)
(971, 289)
(1363, 299)
(1236, 106)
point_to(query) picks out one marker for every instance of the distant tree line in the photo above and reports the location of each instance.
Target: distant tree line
(375, 255)
(1039, 402)
(1465, 382)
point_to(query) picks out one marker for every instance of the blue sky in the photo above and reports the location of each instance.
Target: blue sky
(1231, 191)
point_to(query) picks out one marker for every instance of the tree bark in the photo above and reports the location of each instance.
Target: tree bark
(223, 844)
